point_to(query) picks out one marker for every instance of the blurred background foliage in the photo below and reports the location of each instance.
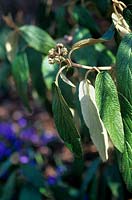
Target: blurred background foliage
(34, 163)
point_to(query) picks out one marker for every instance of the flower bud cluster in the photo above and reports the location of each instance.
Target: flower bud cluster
(57, 54)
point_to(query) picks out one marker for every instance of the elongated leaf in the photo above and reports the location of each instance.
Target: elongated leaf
(127, 14)
(90, 41)
(9, 187)
(20, 70)
(92, 119)
(125, 159)
(11, 45)
(109, 108)
(124, 67)
(64, 123)
(37, 38)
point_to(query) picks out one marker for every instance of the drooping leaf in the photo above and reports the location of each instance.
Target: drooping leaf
(127, 14)
(125, 159)
(20, 70)
(124, 67)
(37, 38)
(64, 122)
(109, 108)
(11, 45)
(92, 119)
(9, 187)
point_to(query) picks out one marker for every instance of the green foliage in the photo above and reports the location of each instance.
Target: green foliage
(29, 192)
(127, 14)
(109, 108)
(37, 38)
(124, 67)
(9, 187)
(20, 70)
(64, 122)
(125, 159)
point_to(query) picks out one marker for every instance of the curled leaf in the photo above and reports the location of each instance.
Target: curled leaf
(66, 80)
(92, 119)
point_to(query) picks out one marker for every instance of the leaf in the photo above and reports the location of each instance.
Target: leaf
(29, 192)
(84, 18)
(127, 14)
(90, 172)
(49, 72)
(35, 62)
(109, 108)
(90, 41)
(92, 119)
(37, 38)
(86, 55)
(121, 25)
(30, 171)
(66, 80)
(11, 45)
(9, 187)
(125, 159)
(124, 67)
(64, 123)
(20, 70)
(4, 31)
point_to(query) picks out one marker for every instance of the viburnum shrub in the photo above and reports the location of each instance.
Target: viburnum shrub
(106, 101)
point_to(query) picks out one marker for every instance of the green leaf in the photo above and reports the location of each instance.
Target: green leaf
(84, 18)
(127, 14)
(124, 67)
(108, 35)
(64, 122)
(109, 108)
(125, 159)
(35, 62)
(49, 72)
(29, 192)
(20, 70)
(90, 172)
(37, 38)
(92, 119)
(86, 55)
(30, 171)
(9, 187)
(4, 31)
(11, 45)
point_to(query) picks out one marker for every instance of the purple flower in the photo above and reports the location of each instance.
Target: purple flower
(24, 159)
(2, 149)
(46, 138)
(22, 122)
(6, 131)
(52, 180)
